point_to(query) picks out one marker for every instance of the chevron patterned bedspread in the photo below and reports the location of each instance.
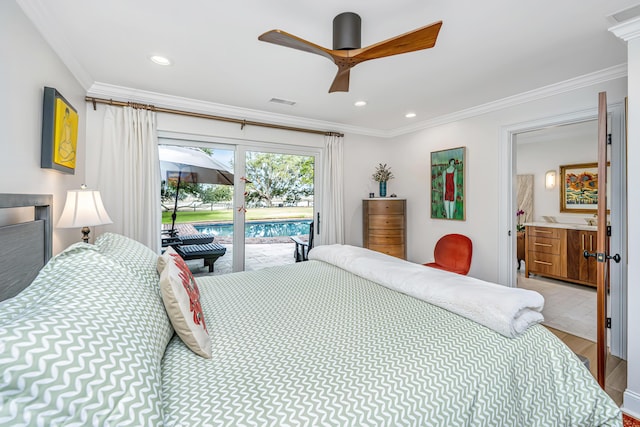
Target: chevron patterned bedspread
(313, 345)
(82, 345)
(89, 343)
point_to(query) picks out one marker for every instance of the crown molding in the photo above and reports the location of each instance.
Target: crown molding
(627, 30)
(121, 93)
(607, 74)
(34, 10)
(169, 101)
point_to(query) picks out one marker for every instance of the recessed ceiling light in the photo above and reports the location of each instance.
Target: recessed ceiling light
(360, 103)
(160, 60)
(410, 115)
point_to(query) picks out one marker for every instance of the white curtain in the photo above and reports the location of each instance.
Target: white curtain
(129, 174)
(332, 215)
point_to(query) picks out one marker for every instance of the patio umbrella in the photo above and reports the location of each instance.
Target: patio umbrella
(184, 164)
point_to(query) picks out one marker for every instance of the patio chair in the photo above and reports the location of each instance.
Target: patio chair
(170, 238)
(210, 252)
(196, 239)
(302, 248)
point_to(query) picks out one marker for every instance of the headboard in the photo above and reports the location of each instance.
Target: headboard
(25, 247)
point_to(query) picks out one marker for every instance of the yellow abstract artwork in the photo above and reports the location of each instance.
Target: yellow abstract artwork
(66, 135)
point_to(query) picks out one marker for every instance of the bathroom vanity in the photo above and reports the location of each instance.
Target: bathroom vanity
(556, 250)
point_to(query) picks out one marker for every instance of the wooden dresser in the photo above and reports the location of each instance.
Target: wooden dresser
(556, 252)
(385, 226)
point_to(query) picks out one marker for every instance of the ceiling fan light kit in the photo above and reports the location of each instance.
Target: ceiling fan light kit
(347, 53)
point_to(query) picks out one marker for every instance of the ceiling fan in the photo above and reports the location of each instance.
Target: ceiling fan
(347, 53)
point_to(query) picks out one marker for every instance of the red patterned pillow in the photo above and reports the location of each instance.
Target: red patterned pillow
(181, 298)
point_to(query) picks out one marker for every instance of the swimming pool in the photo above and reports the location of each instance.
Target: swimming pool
(299, 227)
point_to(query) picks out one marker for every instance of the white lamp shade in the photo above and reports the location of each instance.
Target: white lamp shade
(83, 208)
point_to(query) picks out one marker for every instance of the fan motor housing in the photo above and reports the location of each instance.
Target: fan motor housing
(347, 31)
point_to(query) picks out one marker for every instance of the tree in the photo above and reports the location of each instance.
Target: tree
(215, 193)
(168, 191)
(202, 192)
(278, 176)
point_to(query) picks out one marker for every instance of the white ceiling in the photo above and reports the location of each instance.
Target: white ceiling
(486, 51)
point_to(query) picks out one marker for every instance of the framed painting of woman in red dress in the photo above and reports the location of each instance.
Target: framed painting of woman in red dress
(447, 184)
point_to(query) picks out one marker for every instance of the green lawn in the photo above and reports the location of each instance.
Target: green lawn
(226, 215)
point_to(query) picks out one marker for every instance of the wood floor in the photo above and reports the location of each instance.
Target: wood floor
(616, 377)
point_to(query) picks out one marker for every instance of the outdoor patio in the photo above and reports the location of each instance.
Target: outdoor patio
(259, 252)
(257, 257)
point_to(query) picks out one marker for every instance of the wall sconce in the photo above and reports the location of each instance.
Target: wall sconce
(82, 209)
(550, 180)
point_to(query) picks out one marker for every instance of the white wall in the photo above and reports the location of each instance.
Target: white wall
(539, 157)
(28, 64)
(410, 156)
(361, 154)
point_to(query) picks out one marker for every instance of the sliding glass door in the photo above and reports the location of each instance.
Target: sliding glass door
(197, 189)
(260, 197)
(279, 201)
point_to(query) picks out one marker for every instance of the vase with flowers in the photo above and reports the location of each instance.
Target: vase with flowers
(519, 215)
(382, 175)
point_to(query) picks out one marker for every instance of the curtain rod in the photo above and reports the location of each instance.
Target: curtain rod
(241, 122)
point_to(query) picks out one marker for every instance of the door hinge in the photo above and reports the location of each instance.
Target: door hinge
(609, 139)
(608, 322)
(608, 230)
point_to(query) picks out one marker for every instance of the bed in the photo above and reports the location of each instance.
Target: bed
(318, 343)
(26, 245)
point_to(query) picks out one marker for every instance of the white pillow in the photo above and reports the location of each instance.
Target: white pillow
(181, 298)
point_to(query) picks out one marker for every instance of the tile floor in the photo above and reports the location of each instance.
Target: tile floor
(567, 307)
(257, 257)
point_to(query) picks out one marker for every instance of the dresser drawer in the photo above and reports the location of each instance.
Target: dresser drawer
(394, 222)
(386, 239)
(393, 250)
(386, 207)
(543, 263)
(549, 232)
(544, 244)
(385, 226)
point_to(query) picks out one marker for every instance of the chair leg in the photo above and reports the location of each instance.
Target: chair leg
(297, 253)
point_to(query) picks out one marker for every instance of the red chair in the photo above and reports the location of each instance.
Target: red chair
(453, 253)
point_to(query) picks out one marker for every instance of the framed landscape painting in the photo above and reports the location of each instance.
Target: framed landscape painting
(447, 184)
(59, 132)
(579, 188)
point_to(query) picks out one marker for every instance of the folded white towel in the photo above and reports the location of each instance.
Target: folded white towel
(509, 311)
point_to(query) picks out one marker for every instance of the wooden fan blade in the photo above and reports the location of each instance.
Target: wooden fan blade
(283, 38)
(341, 82)
(422, 38)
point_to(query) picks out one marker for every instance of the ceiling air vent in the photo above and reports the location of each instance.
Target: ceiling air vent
(282, 101)
(625, 15)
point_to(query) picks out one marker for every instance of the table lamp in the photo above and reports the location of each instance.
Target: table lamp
(83, 208)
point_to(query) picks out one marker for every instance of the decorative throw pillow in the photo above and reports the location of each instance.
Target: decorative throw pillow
(181, 298)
